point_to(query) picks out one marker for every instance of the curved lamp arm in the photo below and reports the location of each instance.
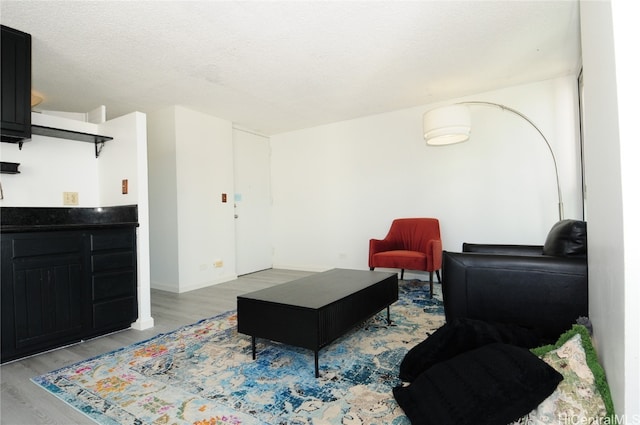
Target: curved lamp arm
(450, 124)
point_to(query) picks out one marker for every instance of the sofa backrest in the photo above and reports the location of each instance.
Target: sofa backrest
(567, 238)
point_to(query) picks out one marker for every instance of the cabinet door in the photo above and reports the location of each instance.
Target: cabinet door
(16, 85)
(47, 301)
(43, 292)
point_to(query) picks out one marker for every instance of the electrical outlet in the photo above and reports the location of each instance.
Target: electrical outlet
(70, 198)
(218, 263)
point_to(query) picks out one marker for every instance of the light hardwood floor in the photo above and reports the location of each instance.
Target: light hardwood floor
(25, 403)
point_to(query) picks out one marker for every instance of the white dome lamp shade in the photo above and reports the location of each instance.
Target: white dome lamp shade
(447, 125)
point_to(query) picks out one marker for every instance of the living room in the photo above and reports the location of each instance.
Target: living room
(343, 178)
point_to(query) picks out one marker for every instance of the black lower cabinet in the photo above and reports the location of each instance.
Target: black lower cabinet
(60, 287)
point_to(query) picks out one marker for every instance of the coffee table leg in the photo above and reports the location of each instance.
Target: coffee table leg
(316, 360)
(388, 315)
(253, 346)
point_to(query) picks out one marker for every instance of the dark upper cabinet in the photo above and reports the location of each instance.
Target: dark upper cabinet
(16, 85)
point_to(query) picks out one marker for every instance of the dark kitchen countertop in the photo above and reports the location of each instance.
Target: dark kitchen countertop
(37, 219)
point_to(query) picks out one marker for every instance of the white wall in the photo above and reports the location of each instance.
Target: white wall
(626, 34)
(119, 160)
(611, 171)
(50, 166)
(202, 151)
(338, 185)
(206, 226)
(163, 206)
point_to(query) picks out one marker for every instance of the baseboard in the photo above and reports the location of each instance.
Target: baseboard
(193, 287)
(164, 287)
(299, 268)
(141, 325)
(187, 288)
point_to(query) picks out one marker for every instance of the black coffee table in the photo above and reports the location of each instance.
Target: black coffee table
(314, 311)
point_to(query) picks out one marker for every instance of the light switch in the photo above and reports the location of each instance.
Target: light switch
(70, 198)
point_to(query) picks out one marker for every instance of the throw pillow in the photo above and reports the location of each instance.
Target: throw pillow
(459, 336)
(576, 400)
(583, 396)
(492, 385)
(567, 238)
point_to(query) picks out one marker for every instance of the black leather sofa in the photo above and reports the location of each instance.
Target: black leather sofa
(543, 288)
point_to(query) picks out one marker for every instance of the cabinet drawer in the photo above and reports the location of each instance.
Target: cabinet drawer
(113, 285)
(117, 313)
(123, 239)
(112, 261)
(55, 244)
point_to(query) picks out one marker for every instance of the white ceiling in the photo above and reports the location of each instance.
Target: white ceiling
(276, 66)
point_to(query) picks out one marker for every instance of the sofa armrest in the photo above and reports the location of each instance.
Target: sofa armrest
(502, 249)
(543, 293)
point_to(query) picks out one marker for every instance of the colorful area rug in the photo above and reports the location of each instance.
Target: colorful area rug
(203, 374)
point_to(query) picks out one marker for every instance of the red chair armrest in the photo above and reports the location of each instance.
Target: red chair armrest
(435, 246)
(378, 245)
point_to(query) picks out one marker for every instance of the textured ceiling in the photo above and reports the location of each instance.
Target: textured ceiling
(276, 66)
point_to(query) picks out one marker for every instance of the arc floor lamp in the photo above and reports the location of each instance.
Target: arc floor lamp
(451, 124)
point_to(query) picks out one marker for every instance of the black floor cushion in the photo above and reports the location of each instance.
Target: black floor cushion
(492, 385)
(459, 336)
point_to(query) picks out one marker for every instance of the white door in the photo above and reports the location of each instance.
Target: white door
(252, 200)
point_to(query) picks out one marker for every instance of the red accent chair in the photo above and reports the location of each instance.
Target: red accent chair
(411, 244)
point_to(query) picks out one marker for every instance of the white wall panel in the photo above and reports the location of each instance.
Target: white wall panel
(612, 196)
(163, 207)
